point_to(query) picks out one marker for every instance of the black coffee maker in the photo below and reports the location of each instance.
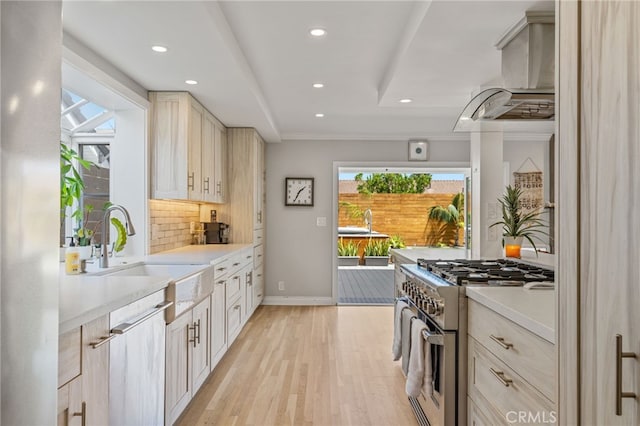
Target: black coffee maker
(216, 233)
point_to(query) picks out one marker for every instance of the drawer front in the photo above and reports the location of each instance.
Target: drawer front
(222, 267)
(69, 355)
(528, 354)
(234, 287)
(479, 417)
(509, 395)
(258, 255)
(258, 236)
(234, 320)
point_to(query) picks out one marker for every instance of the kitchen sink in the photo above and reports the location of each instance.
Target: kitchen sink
(176, 272)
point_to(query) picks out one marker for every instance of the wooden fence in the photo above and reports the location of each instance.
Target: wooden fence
(405, 215)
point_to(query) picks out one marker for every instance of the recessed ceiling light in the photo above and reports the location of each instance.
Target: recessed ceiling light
(318, 85)
(318, 32)
(319, 115)
(159, 49)
(406, 101)
(191, 82)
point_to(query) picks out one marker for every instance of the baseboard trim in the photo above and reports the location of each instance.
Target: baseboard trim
(297, 301)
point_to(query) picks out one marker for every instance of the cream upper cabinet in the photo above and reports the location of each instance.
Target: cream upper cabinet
(246, 184)
(187, 151)
(214, 164)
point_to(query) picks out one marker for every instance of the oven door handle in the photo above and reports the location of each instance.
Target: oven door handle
(433, 339)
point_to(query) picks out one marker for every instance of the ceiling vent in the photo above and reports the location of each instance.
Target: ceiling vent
(528, 70)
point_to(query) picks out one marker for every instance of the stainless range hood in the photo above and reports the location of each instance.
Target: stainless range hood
(528, 70)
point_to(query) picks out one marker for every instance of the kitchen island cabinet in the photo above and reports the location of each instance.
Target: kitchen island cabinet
(511, 355)
(83, 374)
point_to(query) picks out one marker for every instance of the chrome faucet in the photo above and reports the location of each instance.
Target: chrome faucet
(368, 219)
(104, 256)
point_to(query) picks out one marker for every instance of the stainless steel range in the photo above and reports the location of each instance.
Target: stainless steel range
(435, 292)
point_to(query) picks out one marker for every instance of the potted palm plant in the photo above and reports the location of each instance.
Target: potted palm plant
(516, 224)
(452, 216)
(348, 253)
(376, 253)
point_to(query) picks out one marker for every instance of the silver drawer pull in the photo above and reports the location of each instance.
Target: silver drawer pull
(500, 376)
(619, 393)
(501, 342)
(236, 264)
(220, 282)
(125, 326)
(102, 341)
(236, 307)
(221, 269)
(82, 414)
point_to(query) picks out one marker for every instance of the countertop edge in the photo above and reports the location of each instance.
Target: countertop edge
(482, 296)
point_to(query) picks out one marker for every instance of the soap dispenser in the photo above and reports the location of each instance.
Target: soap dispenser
(72, 259)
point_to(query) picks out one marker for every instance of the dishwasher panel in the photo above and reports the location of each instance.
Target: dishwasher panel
(137, 362)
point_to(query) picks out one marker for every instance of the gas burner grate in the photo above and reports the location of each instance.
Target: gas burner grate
(492, 272)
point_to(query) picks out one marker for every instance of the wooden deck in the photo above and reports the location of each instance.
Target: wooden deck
(365, 285)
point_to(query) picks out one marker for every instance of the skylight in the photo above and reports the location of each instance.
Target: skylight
(81, 116)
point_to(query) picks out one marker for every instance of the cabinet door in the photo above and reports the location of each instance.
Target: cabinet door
(95, 370)
(208, 159)
(258, 287)
(220, 160)
(248, 293)
(201, 361)
(258, 182)
(169, 152)
(71, 408)
(178, 374)
(194, 178)
(218, 322)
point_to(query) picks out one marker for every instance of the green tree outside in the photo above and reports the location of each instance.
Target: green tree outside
(393, 183)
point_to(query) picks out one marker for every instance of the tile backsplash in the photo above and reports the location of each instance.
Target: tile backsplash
(170, 222)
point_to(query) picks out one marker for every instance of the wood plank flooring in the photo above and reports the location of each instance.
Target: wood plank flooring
(307, 365)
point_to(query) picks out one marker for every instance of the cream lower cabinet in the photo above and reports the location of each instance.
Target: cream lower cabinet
(511, 372)
(83, 374)
(218, 322)
(188, 361)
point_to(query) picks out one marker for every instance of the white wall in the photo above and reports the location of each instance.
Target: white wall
(297, 251)
(29, 210)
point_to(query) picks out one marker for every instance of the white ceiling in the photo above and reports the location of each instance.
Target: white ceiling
(255, 61)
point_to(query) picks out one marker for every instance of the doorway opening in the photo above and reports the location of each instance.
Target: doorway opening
(421, 210)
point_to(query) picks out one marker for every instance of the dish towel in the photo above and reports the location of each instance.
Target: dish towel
(407, 318)
(397, 329)
(419, 361)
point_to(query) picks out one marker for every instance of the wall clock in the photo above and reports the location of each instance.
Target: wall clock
(298, 191)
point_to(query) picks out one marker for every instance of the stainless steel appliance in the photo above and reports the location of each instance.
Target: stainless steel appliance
(435, 291)
(216, 233)
(137, 362)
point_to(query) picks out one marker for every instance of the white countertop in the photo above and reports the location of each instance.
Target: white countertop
(531, 309)
(196, 254)
(412, 254)
(85, 297)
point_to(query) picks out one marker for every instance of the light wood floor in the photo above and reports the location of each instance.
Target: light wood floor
(307, 365)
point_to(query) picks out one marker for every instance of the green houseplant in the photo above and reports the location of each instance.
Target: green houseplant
(452, 216)
(376, 252)
(516, 224)
(396, 242)
(348, 253)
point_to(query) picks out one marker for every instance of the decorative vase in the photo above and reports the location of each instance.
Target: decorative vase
(85, 252)
(512, 246)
